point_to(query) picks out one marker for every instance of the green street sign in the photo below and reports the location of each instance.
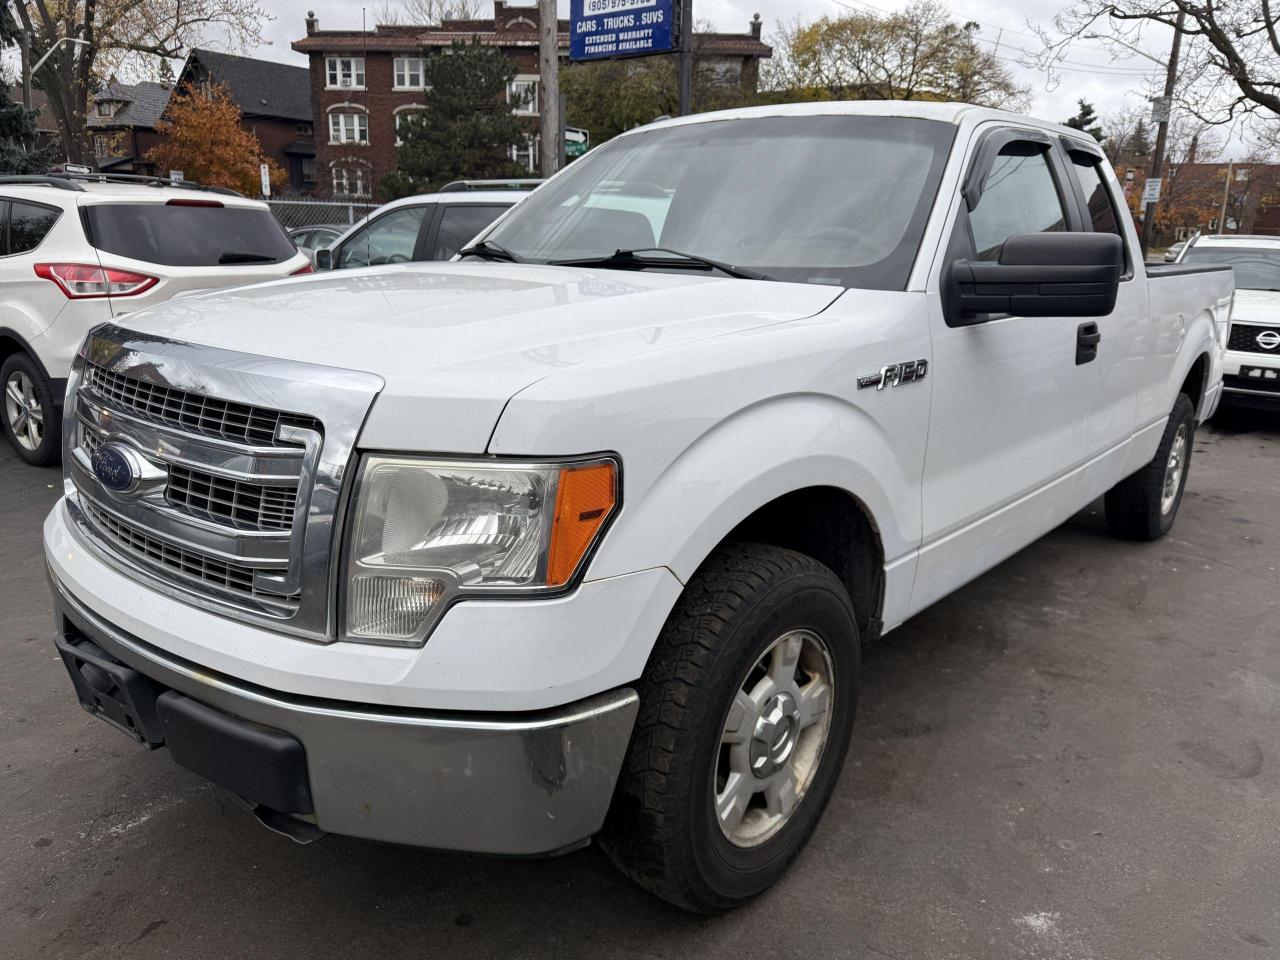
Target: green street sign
(576, 142)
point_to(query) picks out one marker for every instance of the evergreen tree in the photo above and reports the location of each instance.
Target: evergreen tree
(467, 129)
(1087, 120)
(17, 138)
(1140, 140)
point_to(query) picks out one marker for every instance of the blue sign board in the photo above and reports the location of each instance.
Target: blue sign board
(600, 29)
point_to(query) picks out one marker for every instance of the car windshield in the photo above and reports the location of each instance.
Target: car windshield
(816, 199)
(1256, 268)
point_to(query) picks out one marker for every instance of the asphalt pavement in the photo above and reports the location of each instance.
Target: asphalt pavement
(1074, 757)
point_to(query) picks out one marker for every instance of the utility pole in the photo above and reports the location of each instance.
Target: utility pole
(1162, 136)
(1226, 195)
(550, 128)
(686, 57)
(24, 45)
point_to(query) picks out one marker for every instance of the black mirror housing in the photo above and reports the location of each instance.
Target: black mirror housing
(1040, 275)
(324, 259)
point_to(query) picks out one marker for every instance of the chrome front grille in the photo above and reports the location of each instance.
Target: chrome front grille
(237, 422)
(241, 504)
(230, 496)
(187, 564)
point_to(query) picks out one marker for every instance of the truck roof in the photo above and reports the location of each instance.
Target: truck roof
(949, 112)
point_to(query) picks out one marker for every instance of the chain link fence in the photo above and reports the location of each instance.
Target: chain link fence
(294, 212)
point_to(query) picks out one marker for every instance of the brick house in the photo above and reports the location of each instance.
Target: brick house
(275, 105)
(364, 81)
(122, 122)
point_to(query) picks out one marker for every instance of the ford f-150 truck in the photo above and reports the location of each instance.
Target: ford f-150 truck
(578, 536)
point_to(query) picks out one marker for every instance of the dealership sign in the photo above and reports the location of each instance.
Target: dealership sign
(600, 29)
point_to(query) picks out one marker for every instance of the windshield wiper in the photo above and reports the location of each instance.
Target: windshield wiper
(625, 259)
(244, 256)
(488, 250)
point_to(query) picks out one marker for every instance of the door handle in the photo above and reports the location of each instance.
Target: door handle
(1088, 336)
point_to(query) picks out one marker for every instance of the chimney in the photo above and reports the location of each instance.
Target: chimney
(755, 26)
(1193, 149)
(312, 23)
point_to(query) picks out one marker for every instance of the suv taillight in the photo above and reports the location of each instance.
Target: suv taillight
(83, 281)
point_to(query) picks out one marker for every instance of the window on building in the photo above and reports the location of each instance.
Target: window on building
(308, 171)
(1020, 197)
(304, 129)
(404, 119)
(1242, 174)
(348, 128)
(408, 73)
(101, 145)
(106, 108)
(345, 71)
(350, 180)
(526, 154)
(522, 94)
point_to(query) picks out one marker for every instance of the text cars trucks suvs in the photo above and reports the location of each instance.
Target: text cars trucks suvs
(578, 536)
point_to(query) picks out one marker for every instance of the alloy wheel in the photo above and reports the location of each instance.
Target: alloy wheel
(23, 411)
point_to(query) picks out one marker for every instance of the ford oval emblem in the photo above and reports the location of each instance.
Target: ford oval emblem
(113, 467)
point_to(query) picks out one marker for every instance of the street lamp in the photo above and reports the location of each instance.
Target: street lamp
(48, 53)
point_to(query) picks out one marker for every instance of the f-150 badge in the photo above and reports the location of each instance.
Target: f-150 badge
(894, 374)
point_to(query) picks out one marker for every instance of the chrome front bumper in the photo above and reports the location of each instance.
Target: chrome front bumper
(511, 784)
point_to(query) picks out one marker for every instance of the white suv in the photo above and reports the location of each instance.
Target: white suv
(77, 250)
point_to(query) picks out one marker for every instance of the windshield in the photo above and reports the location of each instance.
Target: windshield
(1256, 268)
(186, 235)
(826, 199)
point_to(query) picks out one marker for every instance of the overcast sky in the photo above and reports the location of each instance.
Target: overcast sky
(1092, 74)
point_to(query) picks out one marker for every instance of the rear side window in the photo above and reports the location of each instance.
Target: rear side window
(1019, 196)
(188, 236)
(1102, 212)
(459, 225)
(29, 223)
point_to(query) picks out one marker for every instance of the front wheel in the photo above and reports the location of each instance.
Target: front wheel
(31, 420)
(1144, 506)
(746, 710)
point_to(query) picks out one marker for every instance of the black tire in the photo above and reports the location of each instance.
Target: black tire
(662, 829)
(1134, 505)
(49, 448)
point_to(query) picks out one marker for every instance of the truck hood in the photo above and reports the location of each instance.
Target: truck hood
(1256, 306)
(455, 341)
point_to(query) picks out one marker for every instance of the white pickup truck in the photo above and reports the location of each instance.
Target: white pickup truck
(578, 536)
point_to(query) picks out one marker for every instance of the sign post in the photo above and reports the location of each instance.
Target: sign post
(1151, 191)
(264, 171)
(604, 29)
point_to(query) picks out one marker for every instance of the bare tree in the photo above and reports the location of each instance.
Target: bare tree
(119, 35)
(426, 12)
(1230, 64)
(919, 53)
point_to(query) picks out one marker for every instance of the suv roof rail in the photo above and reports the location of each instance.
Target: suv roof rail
(458, 186)
(66, 180)
(33, 179)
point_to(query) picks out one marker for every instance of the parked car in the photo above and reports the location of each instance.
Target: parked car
(578, 536)
(83, 249)
(1251, 368)
(316, 236)
(429, 226)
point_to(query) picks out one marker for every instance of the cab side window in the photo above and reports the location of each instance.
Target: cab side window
(1102, 210)
(28, 225)
(1019, 196)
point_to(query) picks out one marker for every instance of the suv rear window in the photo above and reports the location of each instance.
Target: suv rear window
(180, 235)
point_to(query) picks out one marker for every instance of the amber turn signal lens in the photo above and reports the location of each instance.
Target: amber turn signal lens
(585, 498)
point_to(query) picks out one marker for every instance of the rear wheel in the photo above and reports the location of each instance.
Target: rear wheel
(746, 709)
(31, 419)
(1145, 505)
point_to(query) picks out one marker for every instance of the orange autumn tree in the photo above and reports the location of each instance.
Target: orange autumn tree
(204, 139)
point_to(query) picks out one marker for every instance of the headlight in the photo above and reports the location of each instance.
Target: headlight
(427, 531)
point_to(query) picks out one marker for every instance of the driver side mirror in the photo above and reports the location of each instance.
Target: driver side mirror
(324, 259)
(1038, 275)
